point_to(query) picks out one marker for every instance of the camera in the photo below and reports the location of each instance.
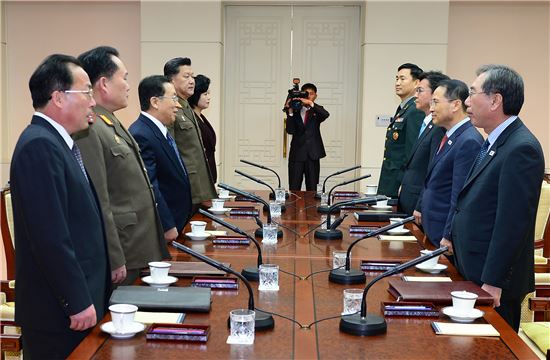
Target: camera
(296, 94)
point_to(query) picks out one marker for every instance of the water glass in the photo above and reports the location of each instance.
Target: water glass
(319, 189)
(241, 326)
(275, 208)
(324, 199)
(352, 301)
(280, 195)
(269, 233)
(338, 259)
(269, 277)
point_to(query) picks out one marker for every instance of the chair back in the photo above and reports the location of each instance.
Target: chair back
(6, 227)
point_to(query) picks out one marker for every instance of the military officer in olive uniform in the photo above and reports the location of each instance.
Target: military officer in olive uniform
(187, 133)
(111, 156)
(402, 132)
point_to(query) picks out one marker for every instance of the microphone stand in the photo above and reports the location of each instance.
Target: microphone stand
(363, 324)
(271, 196)
(351, 276)
(259, 232)
(335, 234)
(336, 173)
(250, 273)
(324, 209)
(262, 321)
(259, 181)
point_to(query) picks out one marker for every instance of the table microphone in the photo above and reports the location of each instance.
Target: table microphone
(250, 273)
(331, 232)
(262, 320)
(364, 324)
(259, 232)
(318, 196)
(260, 181)
(351, 276)
(271, 196)
(325, 208)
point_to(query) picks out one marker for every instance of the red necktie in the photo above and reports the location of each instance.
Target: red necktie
(306, 116)
(443, 141)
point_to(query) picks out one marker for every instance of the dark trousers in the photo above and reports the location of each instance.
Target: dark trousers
(297, 170)
(510, 310)
(40, 344)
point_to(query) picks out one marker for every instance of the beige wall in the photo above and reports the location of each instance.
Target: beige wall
(512, 33)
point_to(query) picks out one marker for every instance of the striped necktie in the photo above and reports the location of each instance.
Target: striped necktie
(176, 151)
(78, 157)
(481, 154)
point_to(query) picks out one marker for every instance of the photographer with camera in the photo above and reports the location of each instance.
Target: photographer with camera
(304, 118)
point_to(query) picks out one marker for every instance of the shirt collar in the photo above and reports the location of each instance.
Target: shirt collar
(404, 102)
(160, 125)
(427, 119)
(493, 136)
(57, 126)
(457, 125)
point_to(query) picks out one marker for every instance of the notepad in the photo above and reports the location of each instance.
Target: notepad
(216, 232)
(147, 317)
(396, 238)
(427, 278)
(442, 328)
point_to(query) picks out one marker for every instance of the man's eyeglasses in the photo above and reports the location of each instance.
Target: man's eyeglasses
(174, 98)
(89, 92)
(473, 92)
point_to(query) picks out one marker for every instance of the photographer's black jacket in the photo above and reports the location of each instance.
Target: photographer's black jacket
(306, 139)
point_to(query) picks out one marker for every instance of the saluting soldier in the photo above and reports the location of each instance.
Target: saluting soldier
(111, 155)
(402, 132)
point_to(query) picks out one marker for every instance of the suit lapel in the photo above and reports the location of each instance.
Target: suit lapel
(423, 136)
(493, 151)
(448, 145)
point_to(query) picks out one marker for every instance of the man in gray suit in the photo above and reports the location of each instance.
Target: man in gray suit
(187, 133)
(111, 155)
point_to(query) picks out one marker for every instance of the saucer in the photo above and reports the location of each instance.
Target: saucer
(135, 327)
(463, 318)
(219, 211)
(159, 284)
(199, 236)
(432, 270)
(381, 207)
(398, 231)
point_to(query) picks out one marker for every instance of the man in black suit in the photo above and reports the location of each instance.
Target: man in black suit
(306, 147)
(61, 261)
(423, 150)
(493, 228)
(448, 169)
(166, 169)
(402, 133)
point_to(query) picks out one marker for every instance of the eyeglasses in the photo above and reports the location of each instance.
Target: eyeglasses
(89, 92)
(473, 92)
(174, 98)
(434, 102)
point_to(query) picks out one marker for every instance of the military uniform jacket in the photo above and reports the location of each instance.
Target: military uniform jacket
(188, 138)
(401, 135)
(133, 228)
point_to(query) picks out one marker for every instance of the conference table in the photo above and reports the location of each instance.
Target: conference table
(308, 299)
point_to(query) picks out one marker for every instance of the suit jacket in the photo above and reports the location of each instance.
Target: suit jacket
(111, 155)
(170, 181)
(61, 260)
(306, 139)
(188, 138)
(416, 166)
(446, 175)
(401, 135)
(493, 228)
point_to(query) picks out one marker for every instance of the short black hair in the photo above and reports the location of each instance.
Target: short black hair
(309, 86)
(98, 62)
(151, 86)
(202, 83)
(53, 74)
(434, 78)
(503, 80)
(172, 67)
(455, 90)
(415, 69)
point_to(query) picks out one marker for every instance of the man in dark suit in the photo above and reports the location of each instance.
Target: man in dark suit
(61, 262)
(493, 228)
(402, 132)
(425, 147)
(306, 147)
(111, 155)
(448, 169)
(166, 169)
(187, 134)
